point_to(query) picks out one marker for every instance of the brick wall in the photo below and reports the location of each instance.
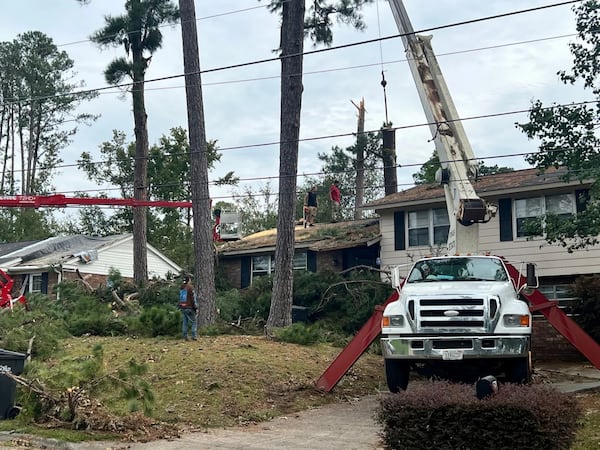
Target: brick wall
(93, 280)
(330, 261)
(549, 345)
(231, 269)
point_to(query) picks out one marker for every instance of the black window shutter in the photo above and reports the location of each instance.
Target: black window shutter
(505, 215)
(582, 197)
(311, 261)
(45, 283)
(399, 240)
(246, 266)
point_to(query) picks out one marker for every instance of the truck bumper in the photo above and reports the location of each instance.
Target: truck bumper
(454, 348)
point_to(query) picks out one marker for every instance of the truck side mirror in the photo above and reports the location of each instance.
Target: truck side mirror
(396, 277)
(532, 281)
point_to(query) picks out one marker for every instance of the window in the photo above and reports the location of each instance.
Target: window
(427, 226)
(529, 208)
(562, 293)
(265, 264)
(300, 261)
(262, 265)
(36, 283)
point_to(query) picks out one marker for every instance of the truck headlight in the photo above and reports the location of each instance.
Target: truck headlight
(516, 320)
(392, 321)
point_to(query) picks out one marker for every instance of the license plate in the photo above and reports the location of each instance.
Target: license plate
(452, 355)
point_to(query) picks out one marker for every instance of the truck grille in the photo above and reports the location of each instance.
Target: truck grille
(453, 314)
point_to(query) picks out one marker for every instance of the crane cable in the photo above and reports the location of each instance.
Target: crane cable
(383, 82)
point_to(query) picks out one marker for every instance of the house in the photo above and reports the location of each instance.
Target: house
(414, 223)
(39, 265)
(334, 246)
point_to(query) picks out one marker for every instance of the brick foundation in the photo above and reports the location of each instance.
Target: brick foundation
(549, 345)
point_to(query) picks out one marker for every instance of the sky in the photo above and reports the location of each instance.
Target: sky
(491, 67)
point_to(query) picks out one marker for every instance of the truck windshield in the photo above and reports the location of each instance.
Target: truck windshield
(458, 269)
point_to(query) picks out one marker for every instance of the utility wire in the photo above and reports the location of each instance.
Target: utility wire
(402, 127)
(306, 53)
(198, 19)
(324, 174)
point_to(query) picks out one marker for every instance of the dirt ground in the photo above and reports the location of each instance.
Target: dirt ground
(346, 425)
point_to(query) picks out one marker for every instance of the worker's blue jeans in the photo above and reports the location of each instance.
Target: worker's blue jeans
(189, 317)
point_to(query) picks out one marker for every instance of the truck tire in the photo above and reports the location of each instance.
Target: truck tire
(396, 374)
(519, 370)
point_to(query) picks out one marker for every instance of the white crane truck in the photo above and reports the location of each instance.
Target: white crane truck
(458, 316)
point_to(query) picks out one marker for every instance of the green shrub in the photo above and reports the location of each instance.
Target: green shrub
(586, 309)
(160, 292)
(252, 303)
(223, 328)
(299, 333)
(155, 321)
(449, 416)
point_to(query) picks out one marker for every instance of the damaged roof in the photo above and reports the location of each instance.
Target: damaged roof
(321, 237)
(53, 250)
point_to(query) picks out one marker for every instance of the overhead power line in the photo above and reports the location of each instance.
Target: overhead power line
(358, 66)
(349, 134)
(306, 53)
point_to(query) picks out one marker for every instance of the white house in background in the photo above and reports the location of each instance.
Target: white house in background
(414, 223)
(39, 265)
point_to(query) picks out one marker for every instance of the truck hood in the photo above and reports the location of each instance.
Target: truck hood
(460, 288)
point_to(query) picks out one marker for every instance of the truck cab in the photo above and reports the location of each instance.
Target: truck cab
(457, 317)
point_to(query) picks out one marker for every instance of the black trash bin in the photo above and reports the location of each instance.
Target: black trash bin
(10, 362)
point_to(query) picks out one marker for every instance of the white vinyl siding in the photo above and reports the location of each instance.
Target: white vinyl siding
(119, 256)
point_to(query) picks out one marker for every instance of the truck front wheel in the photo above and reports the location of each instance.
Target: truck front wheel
(519, 370)
(396, 374)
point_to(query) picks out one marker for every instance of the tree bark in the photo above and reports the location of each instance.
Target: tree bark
(201, 206)
(361, 142)
(292, 46)
(140, 170)
(389, 161)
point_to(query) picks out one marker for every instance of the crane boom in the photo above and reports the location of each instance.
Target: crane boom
(465, 208)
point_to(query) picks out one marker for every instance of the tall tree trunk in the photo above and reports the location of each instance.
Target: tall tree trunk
(140, 171)
(361, 142)
(203, 245)
(292, 46)
(22, 147)
(5, 119)
(390, 179)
